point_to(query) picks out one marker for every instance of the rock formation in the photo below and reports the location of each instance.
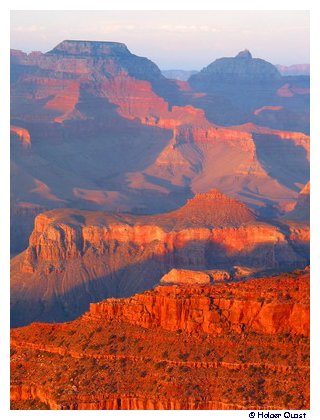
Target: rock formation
(186, 277)
(82, 103)
(240, 85)
(301, 210)
(225, 346)
(241, 68)
(127, 181)
(75, 257)
(194, 277)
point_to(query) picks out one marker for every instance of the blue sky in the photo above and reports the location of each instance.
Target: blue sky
(172, 39)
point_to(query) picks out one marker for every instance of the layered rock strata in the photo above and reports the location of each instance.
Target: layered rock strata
(226, 346)
(75, 257)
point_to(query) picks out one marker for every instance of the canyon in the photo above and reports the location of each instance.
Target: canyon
(239, 345)
(86, 217)
(160, 232)
(69, 104)
(76, 257)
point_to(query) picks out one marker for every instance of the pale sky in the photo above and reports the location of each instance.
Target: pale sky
(172, 39)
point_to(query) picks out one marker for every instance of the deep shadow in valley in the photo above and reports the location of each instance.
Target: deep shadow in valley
(41, 298)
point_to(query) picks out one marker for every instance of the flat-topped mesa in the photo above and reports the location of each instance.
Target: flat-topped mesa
(89, 48)
(208, 218)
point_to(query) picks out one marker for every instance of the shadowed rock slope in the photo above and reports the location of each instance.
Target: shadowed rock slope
(75, 257)
(78, 107)
(241, 85)
(226, 346)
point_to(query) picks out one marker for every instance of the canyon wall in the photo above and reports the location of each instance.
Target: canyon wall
(195, 309)
(77, 257)
(238, 345)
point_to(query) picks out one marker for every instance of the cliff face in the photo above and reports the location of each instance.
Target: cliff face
(242, 84)
(90, 101)
(75, 257)
(71, 66)
(301, 209)
(194, 309)
(186, 346)
(59, 235)
(59, 243)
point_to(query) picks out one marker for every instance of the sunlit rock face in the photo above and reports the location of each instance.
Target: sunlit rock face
(145, 206)
(186, 346)
(83, 103)
(97, 128)
(76, 257)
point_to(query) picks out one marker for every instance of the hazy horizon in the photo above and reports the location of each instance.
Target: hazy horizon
(187, 40)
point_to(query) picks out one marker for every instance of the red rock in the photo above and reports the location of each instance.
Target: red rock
(194, 346)
(185, 277)
(23, 135)
(191, 309)
(95, 251)
(124, 96)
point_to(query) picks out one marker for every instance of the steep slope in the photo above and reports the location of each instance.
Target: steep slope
(241, 68)
(301, 210)
(76, 257)
(76, 108)
(236, 87)
(225, 346)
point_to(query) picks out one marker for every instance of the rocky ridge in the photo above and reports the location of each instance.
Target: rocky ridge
(174, 347)
(82, 95)
(241, 68)
(75, 257)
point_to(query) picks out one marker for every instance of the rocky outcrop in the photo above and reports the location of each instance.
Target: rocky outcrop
(242, 68)
(76, 256)
(194, 277)
(301, 210)
(83, 104)
(235, 87)
(194, 309)
(210, 219)
(22, 134)
(59, 243)
(185, 277)
(298, 139)
(62, 235)
(115, 402)
(100, 98)
(196, 346)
